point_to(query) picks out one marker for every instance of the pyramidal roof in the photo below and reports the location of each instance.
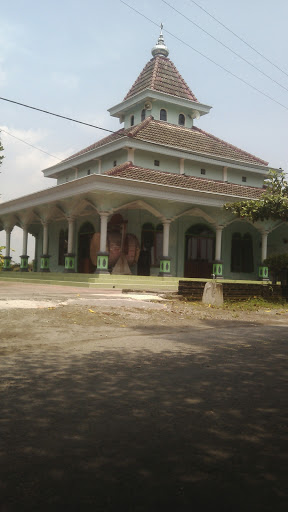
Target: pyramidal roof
(161, 75)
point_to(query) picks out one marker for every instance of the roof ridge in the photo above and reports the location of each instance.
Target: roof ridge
(119, 168)
(229, 145)
(155, 70)
(138, 127)
(183, 81)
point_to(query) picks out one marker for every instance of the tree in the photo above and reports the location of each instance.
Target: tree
(272, 204)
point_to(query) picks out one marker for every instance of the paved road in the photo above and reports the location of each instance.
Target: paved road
(143, 416)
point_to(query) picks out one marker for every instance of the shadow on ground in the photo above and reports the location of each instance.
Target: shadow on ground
(201, 427)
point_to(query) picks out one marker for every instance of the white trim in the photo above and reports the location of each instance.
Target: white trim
(95, 183)
(182, 114)
(197, 212)
(149, 94)
(140, 205)
(188, 154)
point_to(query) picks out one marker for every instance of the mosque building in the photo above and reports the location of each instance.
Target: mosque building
(148, 199)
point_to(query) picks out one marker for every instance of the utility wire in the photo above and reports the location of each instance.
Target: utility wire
(240, 38)
(52, 114)
(56, 115)
(225, 46)
(172, 35)
(28, 144)
(207, 58)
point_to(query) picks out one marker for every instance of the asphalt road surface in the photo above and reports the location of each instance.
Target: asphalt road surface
(126, 402)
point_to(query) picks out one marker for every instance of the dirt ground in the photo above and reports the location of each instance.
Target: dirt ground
(140, 402)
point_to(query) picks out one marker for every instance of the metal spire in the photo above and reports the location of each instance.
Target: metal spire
(160, 48)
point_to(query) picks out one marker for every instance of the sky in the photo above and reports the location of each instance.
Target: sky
(78, 59)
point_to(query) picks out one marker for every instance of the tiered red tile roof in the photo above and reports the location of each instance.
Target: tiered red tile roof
(132, 172)
(161, 75)
(191, 140)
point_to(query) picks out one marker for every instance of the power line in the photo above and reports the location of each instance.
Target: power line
(207, 58)
(28, 144)
(57, 115)
(225, 46)
(52, 114)
(240, 38)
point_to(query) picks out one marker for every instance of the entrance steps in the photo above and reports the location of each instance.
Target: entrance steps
(101, 281)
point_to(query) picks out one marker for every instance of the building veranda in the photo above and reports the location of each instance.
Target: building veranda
(148, 199)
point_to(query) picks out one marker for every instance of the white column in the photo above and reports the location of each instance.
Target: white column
(219, 230)
(70, 235)
(45, 238)
(264, 235)
(225, 174)
(35, 248)
(131, 155)
(8, 237)
(181, 167)
(25, 241)
(103, 230)
(166, 231)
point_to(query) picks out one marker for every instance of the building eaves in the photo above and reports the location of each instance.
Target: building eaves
(133, 172)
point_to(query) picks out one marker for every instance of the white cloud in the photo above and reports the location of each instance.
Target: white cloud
(21, 175)
(21, 168)
(65, 80)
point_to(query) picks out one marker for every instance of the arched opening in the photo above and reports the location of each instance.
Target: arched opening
(85, 234)
(132, 120)
(116, 231)
(143, 114)
(151, 248)
(181, 120)
(163, 114)
(62, 246)
(199, 251)
(242, 253)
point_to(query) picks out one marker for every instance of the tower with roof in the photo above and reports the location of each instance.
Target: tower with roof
(161, 92)
(148, 199)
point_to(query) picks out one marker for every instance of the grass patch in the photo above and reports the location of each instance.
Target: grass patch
(254, 304)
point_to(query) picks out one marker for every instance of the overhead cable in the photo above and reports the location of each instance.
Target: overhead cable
(225, 46)
(28, 144)
(57, 115)
(240, 38)
(208, 58)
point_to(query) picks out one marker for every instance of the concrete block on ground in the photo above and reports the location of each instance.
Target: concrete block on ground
(213, 294)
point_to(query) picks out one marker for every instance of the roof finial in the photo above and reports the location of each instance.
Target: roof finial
(160, 48)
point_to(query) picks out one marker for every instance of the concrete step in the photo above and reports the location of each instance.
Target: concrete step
(120, 282)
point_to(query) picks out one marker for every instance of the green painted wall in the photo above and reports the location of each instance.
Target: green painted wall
(146, 159)
(173, 112)
(108, 162)
(277, 242)
(252, 179)
(240, 227)
(211, 172)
